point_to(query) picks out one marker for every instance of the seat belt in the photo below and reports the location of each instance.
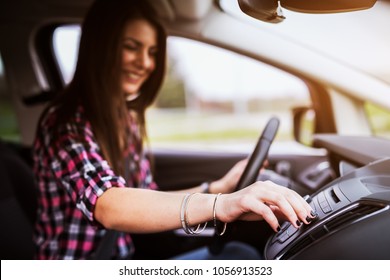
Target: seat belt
(104, 250)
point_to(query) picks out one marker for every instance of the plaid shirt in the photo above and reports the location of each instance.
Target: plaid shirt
(71, 174)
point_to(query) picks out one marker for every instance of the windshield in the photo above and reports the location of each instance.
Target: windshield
(360, 39)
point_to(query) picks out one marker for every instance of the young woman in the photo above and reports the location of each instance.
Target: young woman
(90, 164)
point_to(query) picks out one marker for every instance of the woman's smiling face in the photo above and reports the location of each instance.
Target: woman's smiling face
(138, 55)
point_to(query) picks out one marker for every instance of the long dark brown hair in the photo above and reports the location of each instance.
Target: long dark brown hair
(96, 84)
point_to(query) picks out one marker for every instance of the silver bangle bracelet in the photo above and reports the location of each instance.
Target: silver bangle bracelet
(184, 220)
(215, 217)
(182, 213)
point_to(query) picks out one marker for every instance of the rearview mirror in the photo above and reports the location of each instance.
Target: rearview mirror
(326, 6)
(271, 10)
(265, 10)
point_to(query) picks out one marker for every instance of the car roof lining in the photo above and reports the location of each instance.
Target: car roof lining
(167, 10)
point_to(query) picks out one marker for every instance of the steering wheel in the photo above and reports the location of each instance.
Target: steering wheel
(251, 172)
(259, 154)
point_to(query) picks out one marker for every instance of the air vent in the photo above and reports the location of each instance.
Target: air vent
(349, 215)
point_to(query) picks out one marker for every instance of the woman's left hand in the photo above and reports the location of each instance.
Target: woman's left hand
(228, 183)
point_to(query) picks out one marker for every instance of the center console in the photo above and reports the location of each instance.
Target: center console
(353, 220)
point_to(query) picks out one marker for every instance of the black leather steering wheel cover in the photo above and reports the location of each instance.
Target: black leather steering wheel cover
(259, 154)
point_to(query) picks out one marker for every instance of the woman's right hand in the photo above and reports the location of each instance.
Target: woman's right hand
(264, 200)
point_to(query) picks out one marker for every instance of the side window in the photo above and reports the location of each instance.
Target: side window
(217, 99)
(212, 98)
(65, 44)
(8, 125)
(379, 119)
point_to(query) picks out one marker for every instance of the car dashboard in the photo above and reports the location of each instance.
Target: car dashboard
(352, 151)
(353, 211)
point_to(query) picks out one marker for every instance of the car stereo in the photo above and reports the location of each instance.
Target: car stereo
(353, 220)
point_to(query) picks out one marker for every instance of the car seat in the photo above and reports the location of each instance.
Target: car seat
(18, 202)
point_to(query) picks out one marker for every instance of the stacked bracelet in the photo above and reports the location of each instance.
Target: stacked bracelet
(215, 217)
(182, 213)
(184, 220)
(198, 229)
